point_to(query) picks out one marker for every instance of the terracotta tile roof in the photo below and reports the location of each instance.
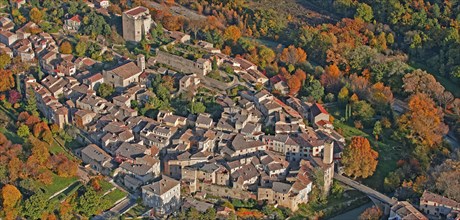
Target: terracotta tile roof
(136, 11)
(126, 70)
(428, 196)
(317, 109)
(75, 18)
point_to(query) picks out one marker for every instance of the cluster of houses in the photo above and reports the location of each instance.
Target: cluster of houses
(431, 206)
(164, 156)
(259, 146)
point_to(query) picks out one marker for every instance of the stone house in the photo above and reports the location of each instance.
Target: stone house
(8, 38)
(97, 158)
(122, 76)
(73, 23)
(404, 210)
(318, 114)
(82, 118)
(94, 81)
(163, 196)
(437, 205)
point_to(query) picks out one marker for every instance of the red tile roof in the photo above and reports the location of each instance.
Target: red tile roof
(276, 79)
(75, 18)
(136, 11)
(321, 108)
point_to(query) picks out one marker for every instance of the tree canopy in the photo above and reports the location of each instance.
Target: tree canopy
(359, 159)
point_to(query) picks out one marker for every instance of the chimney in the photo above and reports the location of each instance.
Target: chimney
(141, 61)
(328, 152)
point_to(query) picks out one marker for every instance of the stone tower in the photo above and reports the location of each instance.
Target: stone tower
(328, 154)
(141, 61)
(136, 22)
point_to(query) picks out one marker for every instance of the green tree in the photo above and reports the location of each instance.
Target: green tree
(363, 110)
(364, 11)
(314, 89)
(377, 130)
(196, 107)
(210, 214)
(105, 90)
(337, 189)
(36, 15)
(31, 105)
(391, 182)
(34, 206)
(390, 38)
(193, 214)
(5, 60)
(329, 97)
(163, 93)
(90, 202)
(215, 67)
(81, 48)
(95, 24)
(23, 131)
(343, 95)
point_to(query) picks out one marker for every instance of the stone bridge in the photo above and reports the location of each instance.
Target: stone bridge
(379, 199)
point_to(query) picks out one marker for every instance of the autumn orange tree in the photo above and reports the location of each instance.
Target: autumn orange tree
(301, 75)
(330, 79)
(371, 213)
(232, 33)
(359, 159)
(6, 80)
(294, 84)
(66, 47)
(423, 123)
(293, 55)
(171, 22)
(11, 198)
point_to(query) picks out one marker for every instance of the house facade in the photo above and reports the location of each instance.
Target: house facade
(162, 196)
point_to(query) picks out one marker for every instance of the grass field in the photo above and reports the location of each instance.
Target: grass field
(59, 183)
(115, 195)
(105, 186)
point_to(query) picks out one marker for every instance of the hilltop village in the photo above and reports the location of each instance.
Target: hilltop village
(258, 147)
(240, 134)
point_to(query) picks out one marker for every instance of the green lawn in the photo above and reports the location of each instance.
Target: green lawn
(105, 186)
(55, 148)
(115, 195)
(71, 190)
(112, 198)
(12, 136)
(59, 183)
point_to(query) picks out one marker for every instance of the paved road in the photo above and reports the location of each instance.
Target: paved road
(118, 209)
(362, 188)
